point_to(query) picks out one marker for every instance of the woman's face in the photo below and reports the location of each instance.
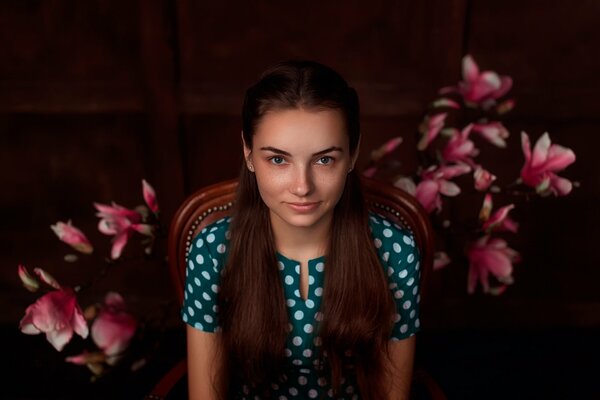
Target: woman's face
(301, 159)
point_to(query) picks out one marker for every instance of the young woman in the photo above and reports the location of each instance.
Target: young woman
(302, 292)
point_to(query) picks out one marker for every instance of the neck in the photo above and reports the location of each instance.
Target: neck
(301, 242)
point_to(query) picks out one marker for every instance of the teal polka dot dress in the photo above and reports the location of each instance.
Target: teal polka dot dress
(399, 257)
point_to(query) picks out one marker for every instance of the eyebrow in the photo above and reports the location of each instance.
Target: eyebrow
(285, 153)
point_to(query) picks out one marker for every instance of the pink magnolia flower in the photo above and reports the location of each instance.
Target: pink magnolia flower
(386, 148)
(435, 181)
(490, 256)
(493, 132)
(480, 87)
(72, 236)
(459, 148)
(56, 314)
(120, 222)
(430, 128)
(113, 329)
(499, 221)
(150, 196)
(483, 178)
(540, 167)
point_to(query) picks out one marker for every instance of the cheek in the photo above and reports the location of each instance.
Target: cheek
(334, 185)
(269, 185)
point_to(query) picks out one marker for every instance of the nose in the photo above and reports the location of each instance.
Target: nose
(302, 184)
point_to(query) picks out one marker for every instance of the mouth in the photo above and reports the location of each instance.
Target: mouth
(303, 207)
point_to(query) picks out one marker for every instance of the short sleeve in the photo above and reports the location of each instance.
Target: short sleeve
(400, 258)
(204, 263)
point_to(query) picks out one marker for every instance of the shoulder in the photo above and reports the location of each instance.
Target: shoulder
(397, 250)
(211, 240)
(389, 235)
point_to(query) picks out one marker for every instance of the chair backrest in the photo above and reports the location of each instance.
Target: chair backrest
(214, 202)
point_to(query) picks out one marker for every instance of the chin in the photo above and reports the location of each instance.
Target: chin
(300, 220)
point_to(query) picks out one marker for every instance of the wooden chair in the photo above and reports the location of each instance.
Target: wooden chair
(214, 202)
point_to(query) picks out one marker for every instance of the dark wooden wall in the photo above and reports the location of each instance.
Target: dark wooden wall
(96, 95)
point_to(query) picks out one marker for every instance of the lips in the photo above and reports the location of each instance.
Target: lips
(303, 207)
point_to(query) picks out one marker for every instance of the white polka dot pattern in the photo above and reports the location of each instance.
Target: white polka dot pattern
(399, 258)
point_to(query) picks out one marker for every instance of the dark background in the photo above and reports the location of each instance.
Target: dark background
(96, 95)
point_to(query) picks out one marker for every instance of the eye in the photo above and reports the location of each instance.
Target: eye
(326, 160)
(277, 160)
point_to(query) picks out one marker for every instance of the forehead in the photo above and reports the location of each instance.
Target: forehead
(301, 129)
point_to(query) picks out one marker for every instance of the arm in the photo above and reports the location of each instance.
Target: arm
(203, 364)
(400, 367)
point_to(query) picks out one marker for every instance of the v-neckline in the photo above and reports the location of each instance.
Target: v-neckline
(290, 265)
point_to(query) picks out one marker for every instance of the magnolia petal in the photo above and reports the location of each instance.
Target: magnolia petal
(406, 184)
(486, 208)
(29, 282)
(506, 83)
(497, 263)
(448, 172)
(150, 196)
(106, 227)
(113, 330)
(144, 229)
(470, 70)
(386, 148)
(483, 88)
(540, 151)
(119, 243)
(491, 80)
(114, 300)
(483, 178)
(79, 323)
(559, 158)
(526, 146)
(72, 236)
(26, 324)
(427, 193)
(560, 186)
(46, 278)
(59, 338)
(54, 310)
(448, 188)
(445, 102)
(509, 225)
(430, 128)
(498, 218)
(116, 211)
(494, 133)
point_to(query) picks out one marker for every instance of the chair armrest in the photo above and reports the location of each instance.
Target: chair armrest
(167, 382)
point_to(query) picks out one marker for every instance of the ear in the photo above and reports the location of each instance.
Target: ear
(247, 151)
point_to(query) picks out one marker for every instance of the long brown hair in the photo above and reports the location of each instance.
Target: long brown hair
(357, 306)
